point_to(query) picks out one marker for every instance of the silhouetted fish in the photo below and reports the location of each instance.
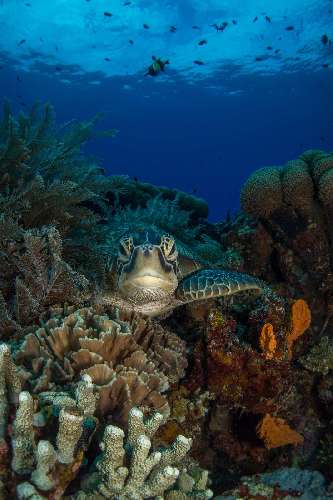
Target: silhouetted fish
(202, 42)
(255, 19)
(27, 4)
(108, 14)
(325, 65)
(259, 58)
(268, 19)
(21, 42)
(289, 28)
(18, 78)
(276, 51)
(198, 62)
(146, 26)
(127, 3)
(269, 47)
(172, 29)
(131, 42)
(107, 59)
(220, 27)
(195, 27)
(324, 39)
(234, 21)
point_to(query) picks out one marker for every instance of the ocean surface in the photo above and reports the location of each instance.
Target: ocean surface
(249, 83)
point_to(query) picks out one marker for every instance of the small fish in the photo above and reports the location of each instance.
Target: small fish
(18, 78)
(58, 68)
(131, 42)
(269, 47)
(146, 27)
(202, 42)
(268, 19)
(1, 67)
(172, 29)
(322, 138)
(41, 39)
(325, 65)
(194, 190)
(255, 19)
(220, 27)
(108, 14)
(195, 27)
(324, 39)
(107, 59)
(27, 4)
(234, 21)
(21, 42)
(22, 103)
(127, 3)
(57, 48)
(198, 62)
(289, 28)
(276, 51)
(258, 58)
(135, 179)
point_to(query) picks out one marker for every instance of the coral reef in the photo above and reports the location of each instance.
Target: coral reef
(31, 461)
(131, 363)
(148, 474)
(98, 402)
(282, 483)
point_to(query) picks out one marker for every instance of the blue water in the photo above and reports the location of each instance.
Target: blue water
(199, 128)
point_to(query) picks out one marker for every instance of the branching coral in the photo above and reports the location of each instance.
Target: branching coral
(35, 462)
(127, 469)
(130, 363)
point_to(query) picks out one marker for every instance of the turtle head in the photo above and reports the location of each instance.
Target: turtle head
(147, 266)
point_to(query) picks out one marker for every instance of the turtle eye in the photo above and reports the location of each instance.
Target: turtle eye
(125, 247)
(168, 246)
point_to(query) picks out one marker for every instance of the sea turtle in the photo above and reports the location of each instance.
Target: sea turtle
(151, 277)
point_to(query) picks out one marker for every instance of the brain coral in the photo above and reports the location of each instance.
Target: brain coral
(298, 190)
(262, 193)
(326, 188)
(321, 164)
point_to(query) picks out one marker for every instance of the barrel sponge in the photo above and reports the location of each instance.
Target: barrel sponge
(297, 185)
(321, 164)
(261, 195)
(325, 188)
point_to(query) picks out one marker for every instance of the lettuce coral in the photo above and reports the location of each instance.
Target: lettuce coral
(130, 363)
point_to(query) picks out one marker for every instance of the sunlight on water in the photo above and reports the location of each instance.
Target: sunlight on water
(120, 37)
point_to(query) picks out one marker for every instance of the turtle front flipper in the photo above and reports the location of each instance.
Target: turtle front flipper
(209, 283)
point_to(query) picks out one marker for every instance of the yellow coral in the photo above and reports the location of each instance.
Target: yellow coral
(300, 321)
(267, 341)
(276, 432)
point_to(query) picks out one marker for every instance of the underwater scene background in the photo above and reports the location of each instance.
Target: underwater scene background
(166, 249)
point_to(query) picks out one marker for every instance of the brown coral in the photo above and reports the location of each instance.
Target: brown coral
(130, 363)
(262, 193)
(298, 189)
(276, 432)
